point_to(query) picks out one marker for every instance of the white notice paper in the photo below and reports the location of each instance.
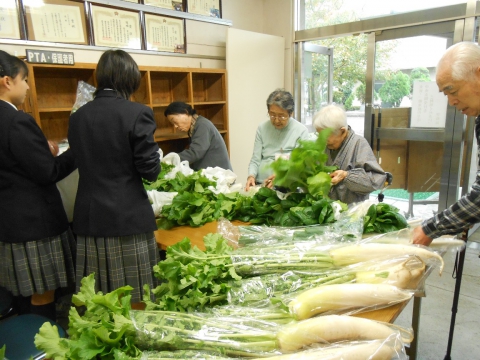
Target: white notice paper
(429, 106)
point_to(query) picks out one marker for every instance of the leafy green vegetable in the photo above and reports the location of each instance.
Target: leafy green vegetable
(105, 330)
(306, 167)
(382, 218)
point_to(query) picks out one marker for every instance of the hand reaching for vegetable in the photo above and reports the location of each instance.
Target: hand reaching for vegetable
(269, 181)
(250, 182)
(419, 237)
(337, 176)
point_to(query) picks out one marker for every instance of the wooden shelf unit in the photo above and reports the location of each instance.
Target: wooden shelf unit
(53, 91)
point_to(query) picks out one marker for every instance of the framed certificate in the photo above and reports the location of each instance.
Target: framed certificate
(116, 28)
(205, 7)
(9, 25)
(56, 21)
(166, 4)
(164, 33)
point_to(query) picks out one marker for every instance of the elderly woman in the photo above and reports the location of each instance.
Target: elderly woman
(207, 147)
(276, 137)
(358, 171)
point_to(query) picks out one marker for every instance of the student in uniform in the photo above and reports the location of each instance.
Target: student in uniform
(112, 139)
(37, 248)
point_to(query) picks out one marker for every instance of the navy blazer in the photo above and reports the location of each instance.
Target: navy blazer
(113, 142)
(30, 205)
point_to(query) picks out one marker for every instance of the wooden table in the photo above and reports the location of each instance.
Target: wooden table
(389, 314)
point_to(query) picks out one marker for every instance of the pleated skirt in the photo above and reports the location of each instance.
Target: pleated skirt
(118, 261)
(38, 266)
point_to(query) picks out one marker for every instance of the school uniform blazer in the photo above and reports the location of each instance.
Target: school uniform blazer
(30, 205)
(113, 143)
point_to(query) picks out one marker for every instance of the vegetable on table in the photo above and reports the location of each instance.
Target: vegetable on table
(344, 297)
(352, 254)
(403, 273)
(331, 329)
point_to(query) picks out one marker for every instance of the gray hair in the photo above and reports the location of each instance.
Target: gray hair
(282, 99)
(463, 59)
(331, 116)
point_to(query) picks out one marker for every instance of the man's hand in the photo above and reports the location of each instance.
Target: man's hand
(337, 176)
(419, 237)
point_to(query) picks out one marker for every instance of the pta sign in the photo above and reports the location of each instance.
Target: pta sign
(50, 57)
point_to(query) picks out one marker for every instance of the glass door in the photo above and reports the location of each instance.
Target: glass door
(314, 80)
(414, 133)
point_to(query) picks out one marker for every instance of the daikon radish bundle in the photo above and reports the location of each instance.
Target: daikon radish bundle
(403, 272)
(330, 329)
(343, 297)
(352, 254)
(372, 350)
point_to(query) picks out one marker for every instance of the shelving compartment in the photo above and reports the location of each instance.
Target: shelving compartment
(56, 88)
(208, 87)
(142, 95)
(216, 113)
(55, 124)
(176, 145)
(168, 87)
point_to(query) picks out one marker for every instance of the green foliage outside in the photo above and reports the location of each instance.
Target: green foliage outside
(395, 88)
(419, 74)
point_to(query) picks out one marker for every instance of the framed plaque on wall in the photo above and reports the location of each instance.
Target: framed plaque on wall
(56, 21)
(164, 33)
(166, 4)
(204, 7)
(9, 25)
(116, 28)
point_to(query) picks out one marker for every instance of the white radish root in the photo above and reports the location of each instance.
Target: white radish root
(342, 297)
(330, 329)
(372, 350)
(352, 254)
(400, 272)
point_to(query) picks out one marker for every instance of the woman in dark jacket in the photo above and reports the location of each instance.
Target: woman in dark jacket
(112, 139)
(37, 248)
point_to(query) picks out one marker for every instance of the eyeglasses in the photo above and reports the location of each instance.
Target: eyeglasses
(279, 117)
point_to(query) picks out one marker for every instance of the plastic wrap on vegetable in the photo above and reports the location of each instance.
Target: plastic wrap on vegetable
(331, 329)
(259, 291)
(404, 236)
(345, 299)
(182, 354)
(380, 349)
(275, 314)
(84, 94)
(165, 330)
(351, 254)
(261, 260)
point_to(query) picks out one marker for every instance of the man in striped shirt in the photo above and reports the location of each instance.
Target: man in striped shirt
(458, 77)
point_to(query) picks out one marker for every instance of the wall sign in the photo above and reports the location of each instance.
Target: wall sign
(50, 57)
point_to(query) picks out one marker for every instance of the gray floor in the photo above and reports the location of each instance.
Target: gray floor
(436, 309)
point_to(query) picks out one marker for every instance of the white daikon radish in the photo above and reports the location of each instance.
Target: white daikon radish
(342, 297)
(352, 254)
(330, 329)
(372, 350)
(402, 272)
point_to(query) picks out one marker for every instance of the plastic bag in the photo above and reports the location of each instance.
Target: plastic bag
(84, 94)
(180, 166)
(159, 198)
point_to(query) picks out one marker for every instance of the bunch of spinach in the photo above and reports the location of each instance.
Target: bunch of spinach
(306, 167)
(105, 331)
(297, 209)
(382, 218)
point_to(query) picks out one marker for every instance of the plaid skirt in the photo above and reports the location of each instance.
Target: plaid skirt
(118, 261)
(38, 266)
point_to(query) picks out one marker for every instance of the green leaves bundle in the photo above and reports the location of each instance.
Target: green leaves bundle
(306, 168)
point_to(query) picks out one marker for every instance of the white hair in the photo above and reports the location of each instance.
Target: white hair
(462, 58)
(331, 116)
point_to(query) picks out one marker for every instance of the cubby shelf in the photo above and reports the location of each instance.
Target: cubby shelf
(53, 91)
